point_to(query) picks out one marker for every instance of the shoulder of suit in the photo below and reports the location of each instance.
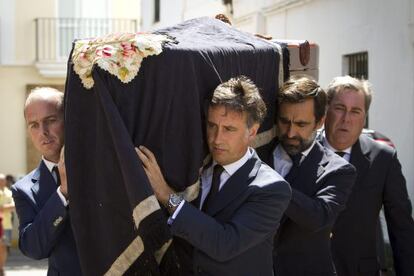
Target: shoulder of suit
(267, 176)
(336, 161)
(24, 181)
(375, 147)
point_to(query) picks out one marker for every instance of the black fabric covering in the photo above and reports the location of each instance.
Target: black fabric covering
(163, 109)
(286, 61)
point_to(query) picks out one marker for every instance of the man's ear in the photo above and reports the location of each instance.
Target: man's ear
(253, 131)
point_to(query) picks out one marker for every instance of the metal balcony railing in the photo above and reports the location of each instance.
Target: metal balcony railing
(54, 36)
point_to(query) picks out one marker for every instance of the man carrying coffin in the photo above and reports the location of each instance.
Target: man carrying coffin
(241, 200)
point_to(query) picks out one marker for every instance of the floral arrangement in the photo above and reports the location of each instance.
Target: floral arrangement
(119, 54)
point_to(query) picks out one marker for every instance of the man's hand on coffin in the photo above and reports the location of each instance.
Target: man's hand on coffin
(62, 174)
(161, 189)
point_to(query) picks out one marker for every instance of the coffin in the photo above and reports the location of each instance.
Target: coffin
(118, 225)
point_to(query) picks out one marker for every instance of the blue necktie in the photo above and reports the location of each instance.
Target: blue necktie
(294, 171)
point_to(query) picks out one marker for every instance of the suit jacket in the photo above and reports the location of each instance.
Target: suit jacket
(380, 182)
(45, 230)
(319, 193)
(235, 235)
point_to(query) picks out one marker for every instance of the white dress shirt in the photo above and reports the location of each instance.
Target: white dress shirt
(207, 175)
(229, 170)
(50, 165)
(347, 151)
(282, 162)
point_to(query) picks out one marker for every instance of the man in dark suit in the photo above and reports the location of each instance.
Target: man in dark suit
(41, 196)
(380, 183)
(320, 181)
(241, 200)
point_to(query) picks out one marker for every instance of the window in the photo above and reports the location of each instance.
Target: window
(156, 11)
(356, 65)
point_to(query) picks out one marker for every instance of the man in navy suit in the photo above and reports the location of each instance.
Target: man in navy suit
(41, 197)
(380, 183)
(321, 181)
(241, 200)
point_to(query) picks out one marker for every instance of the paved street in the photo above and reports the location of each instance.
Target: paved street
(19, 265)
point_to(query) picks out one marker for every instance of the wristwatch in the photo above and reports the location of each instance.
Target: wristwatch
(173, 201)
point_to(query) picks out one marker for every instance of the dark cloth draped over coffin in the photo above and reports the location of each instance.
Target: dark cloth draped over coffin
(162, 108)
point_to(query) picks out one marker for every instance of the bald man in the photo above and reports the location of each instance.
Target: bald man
(41, 197)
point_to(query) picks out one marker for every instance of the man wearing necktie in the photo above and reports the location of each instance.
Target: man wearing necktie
(321, 181)
(41, 197)
(241, 200)
(380, 183)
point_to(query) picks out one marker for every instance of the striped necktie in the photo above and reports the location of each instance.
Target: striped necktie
(55, 170)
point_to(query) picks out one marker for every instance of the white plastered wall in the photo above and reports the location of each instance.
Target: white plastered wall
(385, 30)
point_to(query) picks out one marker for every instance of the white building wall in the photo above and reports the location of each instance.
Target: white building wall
(7, 38)
(384, 29)
(147, 14)
(199, 8)
(171, 12)
(175, 11)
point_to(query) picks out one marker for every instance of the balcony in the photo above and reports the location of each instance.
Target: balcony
(54, 37)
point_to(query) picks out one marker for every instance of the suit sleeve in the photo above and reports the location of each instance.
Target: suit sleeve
(398, 214)
(252, 223)
(319, 211)
(39, 231)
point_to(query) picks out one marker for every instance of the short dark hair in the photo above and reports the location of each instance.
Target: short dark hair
(298, 89)
(241, 94)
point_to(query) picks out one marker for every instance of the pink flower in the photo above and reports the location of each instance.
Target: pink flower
(105, 51)
(128, 50)
(83, 55)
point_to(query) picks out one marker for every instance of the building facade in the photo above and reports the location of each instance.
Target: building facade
(35, 41)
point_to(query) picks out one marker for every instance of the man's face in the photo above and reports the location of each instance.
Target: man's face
(297, 126)
(345, 119)
(45, 127)
(228, 136)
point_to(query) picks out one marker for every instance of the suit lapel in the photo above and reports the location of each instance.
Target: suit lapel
(34, 188)
(196, 202)
(323, 160)
(43, 185)
(360, 159)
(235, 185)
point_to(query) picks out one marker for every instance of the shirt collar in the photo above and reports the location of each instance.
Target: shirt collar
(49, 164)
(328, 146)
(233, 167)
(306, 152)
